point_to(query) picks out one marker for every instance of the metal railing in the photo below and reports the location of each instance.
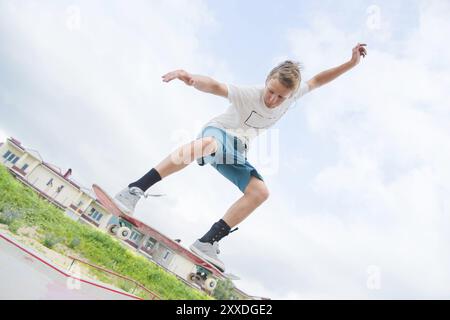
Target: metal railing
(137, 285)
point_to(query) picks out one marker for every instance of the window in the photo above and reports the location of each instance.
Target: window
(9, 156)
(150, 244)
(95, 215)
(135, 236)
(25, 166)
(166, 255)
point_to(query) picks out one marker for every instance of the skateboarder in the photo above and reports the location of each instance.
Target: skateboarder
(224, 141)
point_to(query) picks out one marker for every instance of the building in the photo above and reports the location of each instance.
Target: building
(80, 204)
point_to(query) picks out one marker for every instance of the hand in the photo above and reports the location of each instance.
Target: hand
(357, 52)
(179, 74)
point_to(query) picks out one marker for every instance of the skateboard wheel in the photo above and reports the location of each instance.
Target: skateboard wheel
(194, 278)
(123, 233)
(210, 284)
(112, 229)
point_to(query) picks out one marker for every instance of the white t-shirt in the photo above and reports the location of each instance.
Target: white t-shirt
(248, 116)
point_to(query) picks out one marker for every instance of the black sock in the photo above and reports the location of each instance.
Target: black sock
(218, 230)
(146, 181)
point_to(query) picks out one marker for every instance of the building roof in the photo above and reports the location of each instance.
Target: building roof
(34, 153)
(58, 171)
(37, 155)
(89, 192)
(17, 143)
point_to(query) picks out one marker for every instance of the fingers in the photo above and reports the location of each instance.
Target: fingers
(168, 77)
(183, 76)
(362, 51)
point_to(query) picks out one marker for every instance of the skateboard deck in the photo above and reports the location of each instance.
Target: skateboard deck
(109, 205)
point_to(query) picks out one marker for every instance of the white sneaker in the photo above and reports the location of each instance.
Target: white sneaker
(127, 199)
(208, 252)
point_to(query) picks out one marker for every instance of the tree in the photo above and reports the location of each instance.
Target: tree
(224, 290)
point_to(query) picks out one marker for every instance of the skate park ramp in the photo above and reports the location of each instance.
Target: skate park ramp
(26, 275)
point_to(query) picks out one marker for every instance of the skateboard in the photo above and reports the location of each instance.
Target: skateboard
(121, 226)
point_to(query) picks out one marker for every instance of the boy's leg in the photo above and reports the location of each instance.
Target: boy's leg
(176, 161)
(127, 199)
(255, 194)
(186, 154)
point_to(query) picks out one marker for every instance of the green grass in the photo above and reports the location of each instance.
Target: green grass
(20, 206)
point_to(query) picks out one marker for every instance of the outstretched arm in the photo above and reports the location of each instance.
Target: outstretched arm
(331, 74)
(202, 83)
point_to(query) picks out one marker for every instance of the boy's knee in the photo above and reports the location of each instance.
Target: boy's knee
(264, 194)
(258, 191)
(203, 147)
(209, 145)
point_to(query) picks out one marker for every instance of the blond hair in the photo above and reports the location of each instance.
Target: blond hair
(288, 73)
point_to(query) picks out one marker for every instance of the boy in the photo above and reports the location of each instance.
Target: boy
(224, 141)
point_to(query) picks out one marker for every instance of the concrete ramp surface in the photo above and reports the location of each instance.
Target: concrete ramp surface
(26, 275)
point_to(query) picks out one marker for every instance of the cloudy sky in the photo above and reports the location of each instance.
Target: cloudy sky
(359, 170)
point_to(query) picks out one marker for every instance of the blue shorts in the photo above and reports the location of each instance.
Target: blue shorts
(230, 159)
